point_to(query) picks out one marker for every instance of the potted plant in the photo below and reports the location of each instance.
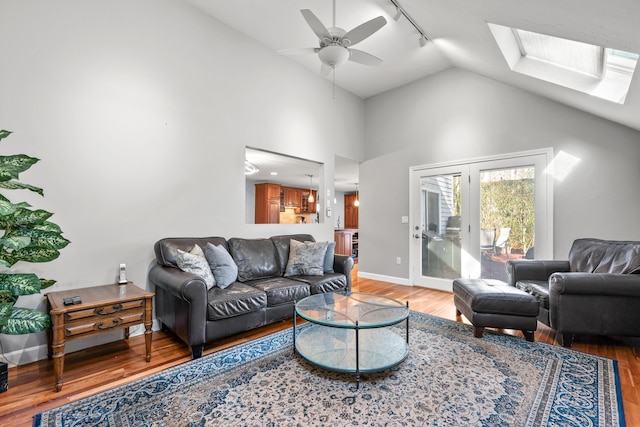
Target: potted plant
(29, 236)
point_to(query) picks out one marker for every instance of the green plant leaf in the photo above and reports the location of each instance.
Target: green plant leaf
(4, 133)
(12, 166)
(15, 242)
(20, 283)
(26, 321)
(7, 208)
(48, 226)
(7, 297)
(45, 283)
(40, 238)
(31, 254)
(6, 308)
(17, 185)
(26, 217)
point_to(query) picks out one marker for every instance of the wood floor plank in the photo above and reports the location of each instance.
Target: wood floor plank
(90, 371)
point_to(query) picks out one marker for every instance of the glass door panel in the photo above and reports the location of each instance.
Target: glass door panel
(437, 232)
(507, 218)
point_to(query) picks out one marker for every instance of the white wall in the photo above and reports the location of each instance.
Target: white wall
(459, 115)
(140, 112)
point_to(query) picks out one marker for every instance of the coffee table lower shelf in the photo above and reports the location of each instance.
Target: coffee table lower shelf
(351, 350)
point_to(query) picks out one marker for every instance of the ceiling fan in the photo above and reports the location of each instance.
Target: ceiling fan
(335, 43)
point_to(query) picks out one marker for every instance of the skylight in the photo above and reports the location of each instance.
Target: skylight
(577, 56)
(595, 70)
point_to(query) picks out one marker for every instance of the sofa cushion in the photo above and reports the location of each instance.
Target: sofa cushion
(306, 258)
(282, 244)
(280, 290)
(167, 249)
(195, 262)
(223, 267)
(605, 256)
(235, 300)
(255, 258)
(537, 288)
(329, 282)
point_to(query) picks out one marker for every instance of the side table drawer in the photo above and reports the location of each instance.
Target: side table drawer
(103, 323)
(104, 310)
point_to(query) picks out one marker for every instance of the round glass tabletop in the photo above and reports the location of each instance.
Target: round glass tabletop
(348, 310)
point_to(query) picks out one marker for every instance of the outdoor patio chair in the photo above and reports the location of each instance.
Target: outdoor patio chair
(503, 240)
(488, 240)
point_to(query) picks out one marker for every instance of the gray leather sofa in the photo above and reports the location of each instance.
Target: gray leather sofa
(260, 296)
(595, 292)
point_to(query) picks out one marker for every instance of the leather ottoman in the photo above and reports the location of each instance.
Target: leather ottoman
(489, 303)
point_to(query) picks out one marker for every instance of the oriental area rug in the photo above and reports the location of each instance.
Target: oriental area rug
(449, 378)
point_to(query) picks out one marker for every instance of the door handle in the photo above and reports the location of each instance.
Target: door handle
(417, 236)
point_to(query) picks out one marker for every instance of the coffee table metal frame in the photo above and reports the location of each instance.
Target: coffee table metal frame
(332, 316)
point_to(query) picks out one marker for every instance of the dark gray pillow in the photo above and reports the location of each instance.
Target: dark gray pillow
(225, 270)
(306, 258)
(328, 258)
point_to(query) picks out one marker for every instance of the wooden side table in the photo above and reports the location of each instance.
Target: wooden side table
(103, 309)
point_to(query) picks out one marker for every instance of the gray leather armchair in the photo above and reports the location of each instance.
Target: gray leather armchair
(595, 292)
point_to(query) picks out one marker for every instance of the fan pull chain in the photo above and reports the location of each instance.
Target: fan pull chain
(333, 72)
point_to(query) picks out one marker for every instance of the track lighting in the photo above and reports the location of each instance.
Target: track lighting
(400, 12)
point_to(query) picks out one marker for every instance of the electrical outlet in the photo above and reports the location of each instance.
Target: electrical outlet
(398, 260)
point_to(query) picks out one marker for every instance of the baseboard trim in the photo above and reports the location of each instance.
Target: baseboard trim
(383, 278)
(39, 352)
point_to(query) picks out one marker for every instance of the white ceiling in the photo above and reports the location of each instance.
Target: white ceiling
(460, 38)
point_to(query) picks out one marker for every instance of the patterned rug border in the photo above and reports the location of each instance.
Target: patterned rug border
(253, 351)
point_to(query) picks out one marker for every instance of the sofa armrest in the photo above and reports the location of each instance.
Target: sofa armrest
(180, 284)
(344, 264)
(181, 304)
(534, 269)
(602, 284)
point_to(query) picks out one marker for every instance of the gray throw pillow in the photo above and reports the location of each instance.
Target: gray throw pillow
(194, 262)
(306, 258)
(328, 258)
(224, 268)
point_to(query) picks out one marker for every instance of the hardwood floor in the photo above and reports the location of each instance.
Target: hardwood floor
(31, 387)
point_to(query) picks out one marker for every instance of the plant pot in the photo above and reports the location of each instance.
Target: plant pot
(4, 377)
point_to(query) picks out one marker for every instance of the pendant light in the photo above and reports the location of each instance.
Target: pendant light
(356, 203)
(311, 199)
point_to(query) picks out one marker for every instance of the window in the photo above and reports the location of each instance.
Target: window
(595, 70)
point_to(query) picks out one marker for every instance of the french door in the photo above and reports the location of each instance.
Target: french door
(468, 219)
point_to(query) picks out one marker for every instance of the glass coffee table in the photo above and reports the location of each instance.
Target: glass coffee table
(349, 332)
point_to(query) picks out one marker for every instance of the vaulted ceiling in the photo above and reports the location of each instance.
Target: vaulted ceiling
(460, 37)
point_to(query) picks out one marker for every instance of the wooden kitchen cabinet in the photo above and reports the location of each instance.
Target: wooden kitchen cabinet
(346, 242)
(292, 197)
(305, 206)
(267, 207)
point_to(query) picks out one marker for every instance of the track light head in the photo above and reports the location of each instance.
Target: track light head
(423, 41)
(398, 14)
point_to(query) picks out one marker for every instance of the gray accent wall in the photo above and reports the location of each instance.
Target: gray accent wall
(459, 115)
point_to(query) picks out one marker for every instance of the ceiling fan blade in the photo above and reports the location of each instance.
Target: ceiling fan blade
(363, 31)
(363, 57)
(315, 24)
(299, 51)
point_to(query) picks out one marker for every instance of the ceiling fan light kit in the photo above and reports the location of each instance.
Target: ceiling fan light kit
(335, 43)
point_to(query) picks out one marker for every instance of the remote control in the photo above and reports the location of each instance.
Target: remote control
(71, 300)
